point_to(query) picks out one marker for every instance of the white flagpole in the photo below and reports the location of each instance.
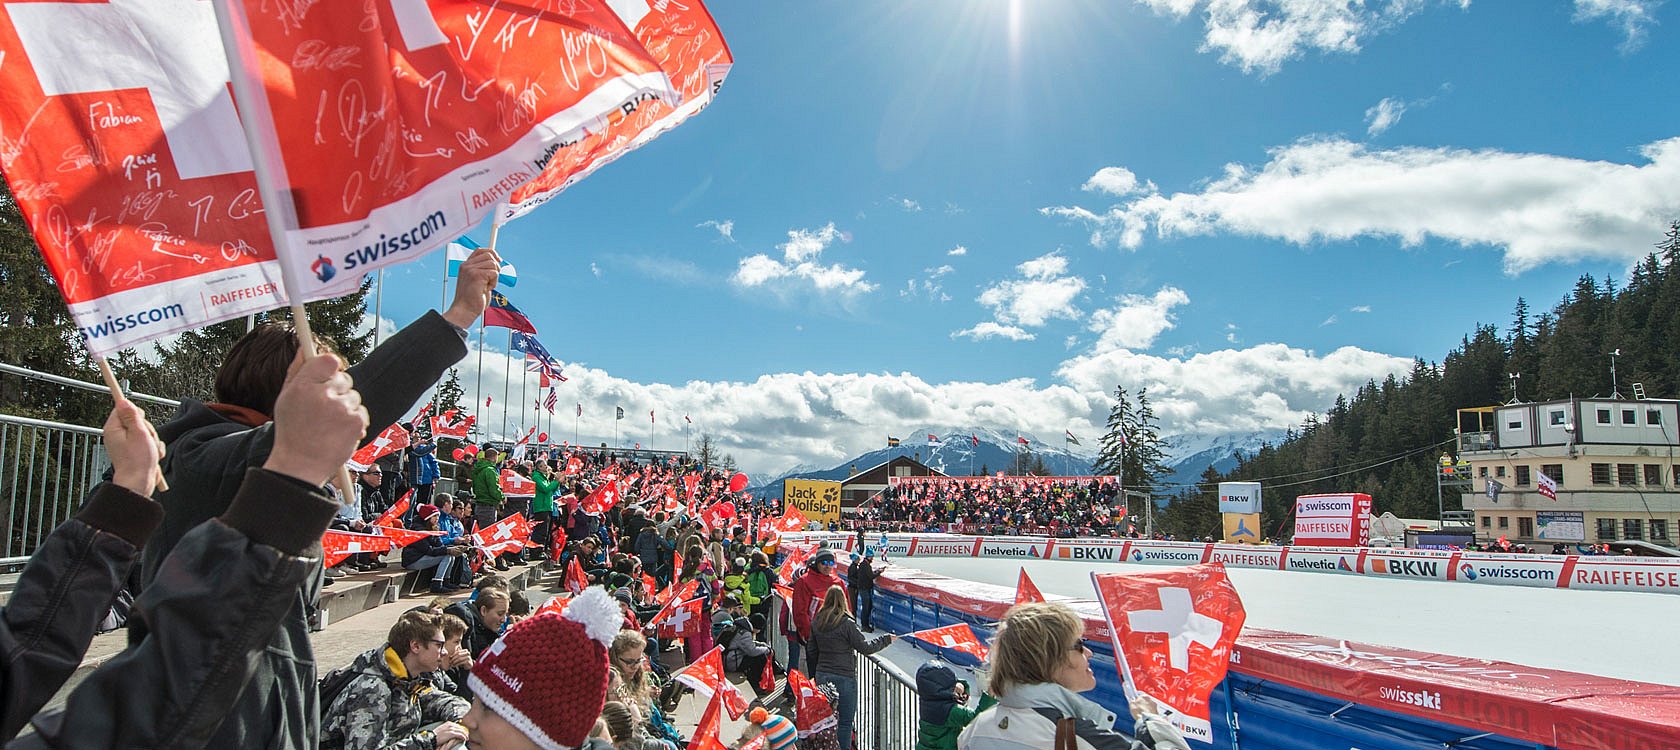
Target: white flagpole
(507, 384)
(378, 300)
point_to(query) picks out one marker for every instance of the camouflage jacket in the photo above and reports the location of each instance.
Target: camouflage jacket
(383, 708)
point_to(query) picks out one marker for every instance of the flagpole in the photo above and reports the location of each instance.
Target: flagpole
(577, 417)
(507, 384)
(378, 300)
(478, 384)
(252, 104)
(524, 377)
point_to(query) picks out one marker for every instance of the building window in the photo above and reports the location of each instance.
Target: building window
(1499, 471)
(1556, 416)
(1515, 424)
(901, 471)
(1606, 529)
(1522, 476)
(1555, 471)
(1653, 416)
(1604, 416)
(1481, 471)
(1487, 522)
(1504, 522)
(1659, 529)
(1631, 528)
(1628, 418)
(1525, 527)
(1627, 474)
(1601, 473)
(1653, 475)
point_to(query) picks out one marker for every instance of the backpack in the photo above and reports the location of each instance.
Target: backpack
(333, 683)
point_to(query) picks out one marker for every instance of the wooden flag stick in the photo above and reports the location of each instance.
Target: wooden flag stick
(118, 396)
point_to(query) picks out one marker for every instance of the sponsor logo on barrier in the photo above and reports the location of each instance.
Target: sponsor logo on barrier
(1296, 563)
(1471, 572)
(1333, 528)
(1468, 571)
(1640, 578)
(963, 549)
(987, 550)
(1419, 698)
(1327, 506)
(1246, 559)
(1085, 553)
(1142, 555)
(1413, 568)
(1342, 564)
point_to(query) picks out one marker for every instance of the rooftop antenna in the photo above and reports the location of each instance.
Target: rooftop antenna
(1613, 355)
(1515, 376)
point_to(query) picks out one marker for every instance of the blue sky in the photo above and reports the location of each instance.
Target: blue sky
(989, 213)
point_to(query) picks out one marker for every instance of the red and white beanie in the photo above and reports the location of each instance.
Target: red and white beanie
(547, 676)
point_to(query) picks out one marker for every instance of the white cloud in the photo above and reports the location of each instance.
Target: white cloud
(725, 228)
(1231, 332)
(908, 205)
(1360, 308)
(1043, 293)
(957, 251)
(595, 269)
(929, 287)
(1536, 208)
(991, 330)
(1634, 17)
(1330, 321)
(1383, 115)
(800, 256)
(952, 208)
(1137, 321)
(1116, 181)
(938, 272)
(1260, 35)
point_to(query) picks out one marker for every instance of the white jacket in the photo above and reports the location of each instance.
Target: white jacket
(1025, 719)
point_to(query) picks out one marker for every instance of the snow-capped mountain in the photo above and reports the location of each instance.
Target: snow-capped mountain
(1190, 455)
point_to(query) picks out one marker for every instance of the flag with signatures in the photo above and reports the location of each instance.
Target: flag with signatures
(395, 125)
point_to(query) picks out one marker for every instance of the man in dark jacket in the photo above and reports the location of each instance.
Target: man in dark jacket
(392, 694)
(216, 600)
(432, 553)
(654, 551)
(861, 578)
(484, 614)
(211, 445)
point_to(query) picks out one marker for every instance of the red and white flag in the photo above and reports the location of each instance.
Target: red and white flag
(718, 515)
(338, 545)
(452, 423)
(705, 735)
(401, 537)
(390, 440)
(812, 711)
(681, 592)
(574, 465)
(126, 157)
(690, 48)
(958, 637)
(514, 485)
(1173, 633)
(1545, 485)
(395, 126)
(393, 515)
(576, 579)
(681, 619)
(705, 675)
(602, 499)
(497, 536)
(1025, 590)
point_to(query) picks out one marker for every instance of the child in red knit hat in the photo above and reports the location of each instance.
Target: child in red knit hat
(542, 684)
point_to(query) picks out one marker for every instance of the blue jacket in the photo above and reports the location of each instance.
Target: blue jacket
(451, 528)
(424, 464)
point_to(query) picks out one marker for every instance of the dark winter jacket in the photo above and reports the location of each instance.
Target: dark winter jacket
(62, 594)
(423, 464)
(942, 718)
(861, 575)
(479, 636)
(432, 545)
(836, 645)
(383, 707)
(652, 548)
(211, 613)
(208, 452)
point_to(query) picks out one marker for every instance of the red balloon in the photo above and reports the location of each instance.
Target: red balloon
(472, 450)
(737, 482)
(543, 438)
(459, 454)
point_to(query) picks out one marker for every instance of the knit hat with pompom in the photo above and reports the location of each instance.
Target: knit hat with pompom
(547, 676)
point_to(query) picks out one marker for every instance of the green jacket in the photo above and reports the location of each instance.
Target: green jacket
(737, 583)
(487, 484)
(544, 501)
(944, 736)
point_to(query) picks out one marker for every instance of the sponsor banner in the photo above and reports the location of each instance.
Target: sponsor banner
(993, 481)
(1091, 550)
(1560, 525)
(1242, 527)
(1246, 556)
(1169, 553)
(1508, 570)
(942, 547)
(1239, 497)
(1326, 506)
(1658, 575)
(819, 500)
(1321, 560)
(1007, 547)
(1337, 520)
(1408, 563)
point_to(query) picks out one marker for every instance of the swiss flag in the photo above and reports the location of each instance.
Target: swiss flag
(705, 675)
(796, 556)
(718, 515)
(401, 537)
(792, 519)
(452, 424)
(514, 485)
(338, 545)
(767, 678)
(676, 564)
(681, 592)
(602, 499)
(514, 528)
(576, 579)
(393, 515)
(812, 712)
(574, 465)
(1173, 632)
(691, 482)
(390, 440)
(555, 604)
(705, 735)
(681, 619)
(1025, 591)
(958, 637)
(420, 118)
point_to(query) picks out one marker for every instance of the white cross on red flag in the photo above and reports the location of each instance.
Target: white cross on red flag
(452, 424)
(705, 675)
(503, 533)
(576, 579)
(681, 619)
(812, 711)
(393, 515)
(425, 118)
(718, 515)
(1173, 633)
(705, 735)
(681, 592)
(390, 440)
(514, 485)
(1025, 590)
(602, 499)
(957, 637)
(337, 545)
(401, 537)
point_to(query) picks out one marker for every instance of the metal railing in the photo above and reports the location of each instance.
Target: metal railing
(887, 710)
(46, 470)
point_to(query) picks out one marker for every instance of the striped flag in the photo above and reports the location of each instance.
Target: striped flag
(553, 398)
(461, 249)
(1071, 438)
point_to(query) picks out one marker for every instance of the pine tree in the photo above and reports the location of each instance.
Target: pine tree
(37, 332)
(1131, 447)
(449, 393)
(340, 320)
